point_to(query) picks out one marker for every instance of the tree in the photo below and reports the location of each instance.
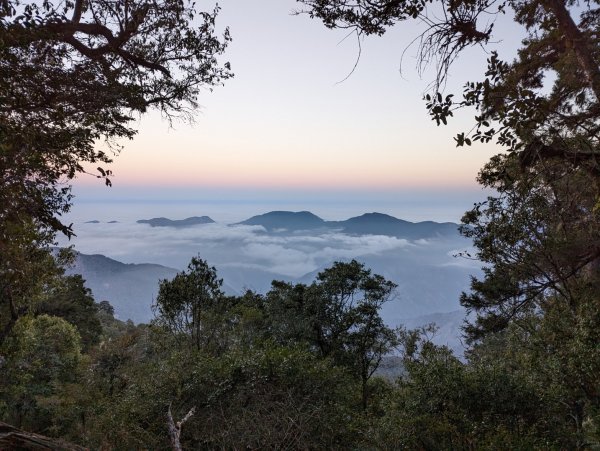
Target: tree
(262, 398)
(495, 400)
(338, 317)
(555, 354)
(42, 354)
(28, 268)
(73, 75)
(78, 72)
(538, 237)
(72, 301)
(347, 322)
(184, 304)
(32, 282)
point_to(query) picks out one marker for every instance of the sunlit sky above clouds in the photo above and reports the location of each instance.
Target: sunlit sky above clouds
(287, 125)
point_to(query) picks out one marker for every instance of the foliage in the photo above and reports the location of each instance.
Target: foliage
(42, 354)
(185, 303)
(266, 398)
(493, 401)
(72, 301)
(557, 353)
(28, 269)
(75, 73)
(261, 383)
(337, 317)
(538, 237)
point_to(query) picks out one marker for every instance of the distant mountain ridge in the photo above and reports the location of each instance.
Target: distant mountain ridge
(382, 224)
(187, 222)
(366, 224)
(130, 288)
(293, 221)
(286, 220)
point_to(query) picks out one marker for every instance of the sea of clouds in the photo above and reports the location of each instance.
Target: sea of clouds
(289, 254)
(429, 274)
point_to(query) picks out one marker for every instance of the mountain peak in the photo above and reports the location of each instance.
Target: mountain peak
(288, 220)
(375, 217)
(383, 224)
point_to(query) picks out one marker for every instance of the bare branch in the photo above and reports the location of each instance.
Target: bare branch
(175, 428)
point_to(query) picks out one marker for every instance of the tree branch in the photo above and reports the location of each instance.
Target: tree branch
(77, 11)
(175, 428)
(578, 43)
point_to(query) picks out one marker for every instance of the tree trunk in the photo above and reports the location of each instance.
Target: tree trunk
(175, 428)
(14, 316)
(577, 41)
(364, 394)
(15, 438)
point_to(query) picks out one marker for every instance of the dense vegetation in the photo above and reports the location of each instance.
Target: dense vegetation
(295, 368)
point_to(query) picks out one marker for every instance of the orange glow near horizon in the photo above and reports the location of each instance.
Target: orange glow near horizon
(180, 159)
(292, 174)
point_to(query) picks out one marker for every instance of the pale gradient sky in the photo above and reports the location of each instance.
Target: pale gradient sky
(284, 121)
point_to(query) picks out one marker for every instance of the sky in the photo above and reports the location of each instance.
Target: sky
(297, 124)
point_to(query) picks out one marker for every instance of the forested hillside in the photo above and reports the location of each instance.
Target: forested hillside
(302, 366)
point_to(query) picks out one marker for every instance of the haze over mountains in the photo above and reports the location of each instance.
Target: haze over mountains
(367, 224)
(290, 221)
(130, 288)
(290, 246)
(187, 222)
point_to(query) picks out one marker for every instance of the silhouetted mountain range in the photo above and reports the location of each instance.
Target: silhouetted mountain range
(382, 224)
(165, 222)
(367, 224)
(286, 220)
(293, 221)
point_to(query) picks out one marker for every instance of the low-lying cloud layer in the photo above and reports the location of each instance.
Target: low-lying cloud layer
(429, 276)
(290, 255)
